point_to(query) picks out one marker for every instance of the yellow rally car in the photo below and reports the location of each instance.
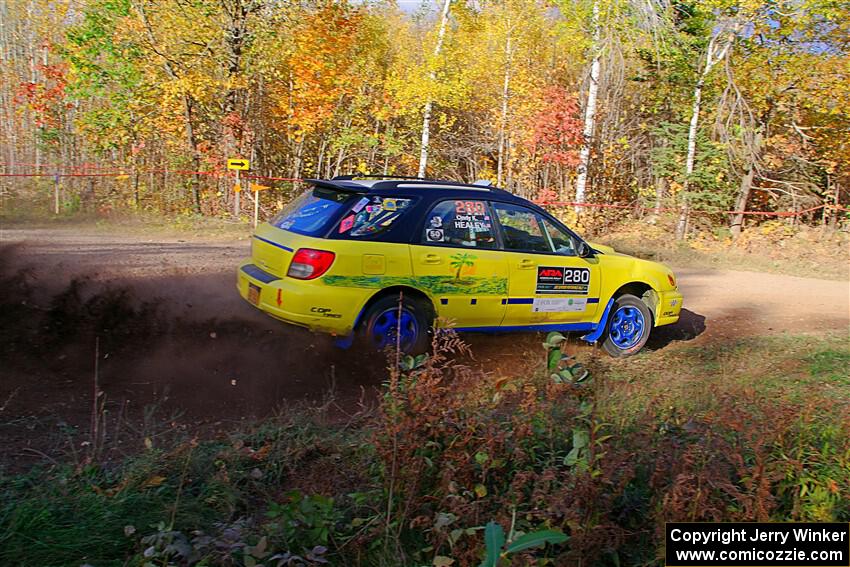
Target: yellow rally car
(386, 258)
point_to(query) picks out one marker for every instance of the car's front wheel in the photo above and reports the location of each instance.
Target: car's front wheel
(398, 320)
(629, 325)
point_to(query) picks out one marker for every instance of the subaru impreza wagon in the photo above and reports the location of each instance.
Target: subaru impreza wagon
(390, 259)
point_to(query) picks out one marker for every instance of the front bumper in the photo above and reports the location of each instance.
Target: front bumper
(668, 308)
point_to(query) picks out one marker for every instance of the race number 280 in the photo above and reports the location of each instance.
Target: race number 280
(576, 275)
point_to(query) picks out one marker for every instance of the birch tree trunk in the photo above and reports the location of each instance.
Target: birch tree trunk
(426, 118)
(589, 113)
(503, 124)
(684, 211)
(718, 47)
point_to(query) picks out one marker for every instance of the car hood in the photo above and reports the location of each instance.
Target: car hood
(605, 249)
(649, 268)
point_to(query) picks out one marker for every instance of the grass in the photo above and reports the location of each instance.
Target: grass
(830, 365)
(753, 429)
(144, 224)
(773, 247)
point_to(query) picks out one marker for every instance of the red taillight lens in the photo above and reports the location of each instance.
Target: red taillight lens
(309, 264)
(671, 279)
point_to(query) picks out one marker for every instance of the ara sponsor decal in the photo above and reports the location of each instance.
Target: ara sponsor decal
(561, 280)
(558, 304)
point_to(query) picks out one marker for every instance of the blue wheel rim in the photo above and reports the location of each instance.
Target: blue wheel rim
(627, 327)
(390, 325)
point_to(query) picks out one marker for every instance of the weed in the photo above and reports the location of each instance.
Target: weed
(453, 455)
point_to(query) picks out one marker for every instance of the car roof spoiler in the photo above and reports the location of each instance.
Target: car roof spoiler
(347, 183)
(339, 185)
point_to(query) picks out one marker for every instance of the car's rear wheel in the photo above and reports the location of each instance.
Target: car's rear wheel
(398, 320)
(629, 325)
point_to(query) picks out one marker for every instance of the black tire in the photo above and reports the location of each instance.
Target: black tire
(628, 327)
(379, 329)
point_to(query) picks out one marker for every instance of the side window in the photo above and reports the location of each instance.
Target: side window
(372, 215)
(561, 241)
(460, 223)
(521, 229)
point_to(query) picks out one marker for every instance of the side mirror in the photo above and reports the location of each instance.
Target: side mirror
(584, 250)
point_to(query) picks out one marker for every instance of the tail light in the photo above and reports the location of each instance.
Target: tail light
(671, 279)
(309, 264)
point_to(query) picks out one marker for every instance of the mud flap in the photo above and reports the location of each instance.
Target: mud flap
(597, 333)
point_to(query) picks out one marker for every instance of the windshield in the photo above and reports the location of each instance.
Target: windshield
(310, 213)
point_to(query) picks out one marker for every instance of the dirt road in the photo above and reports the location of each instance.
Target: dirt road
(173, 336)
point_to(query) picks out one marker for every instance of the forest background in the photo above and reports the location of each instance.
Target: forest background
(687, 109)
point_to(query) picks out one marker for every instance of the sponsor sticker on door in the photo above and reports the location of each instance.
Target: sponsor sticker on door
(558, 304)
(560, 280)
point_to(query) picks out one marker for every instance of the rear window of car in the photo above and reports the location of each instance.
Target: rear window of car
(370, 216)
(312, 212)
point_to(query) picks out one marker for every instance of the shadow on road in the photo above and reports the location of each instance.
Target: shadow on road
(689, 326)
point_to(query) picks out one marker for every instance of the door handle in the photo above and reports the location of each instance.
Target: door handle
(431, 259)
(526, 264)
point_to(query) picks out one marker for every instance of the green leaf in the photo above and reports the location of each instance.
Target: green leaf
(554, 339)
(536, 539)
(572, 457)
(566, 376)
(553, 359)
(481, 458)
(581, 438)
(494, 539)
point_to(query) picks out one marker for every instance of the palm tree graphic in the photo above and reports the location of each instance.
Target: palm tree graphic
(460, 261)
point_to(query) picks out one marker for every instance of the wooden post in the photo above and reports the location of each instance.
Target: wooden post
(256, 208)
(56, 194)
(236, 196)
